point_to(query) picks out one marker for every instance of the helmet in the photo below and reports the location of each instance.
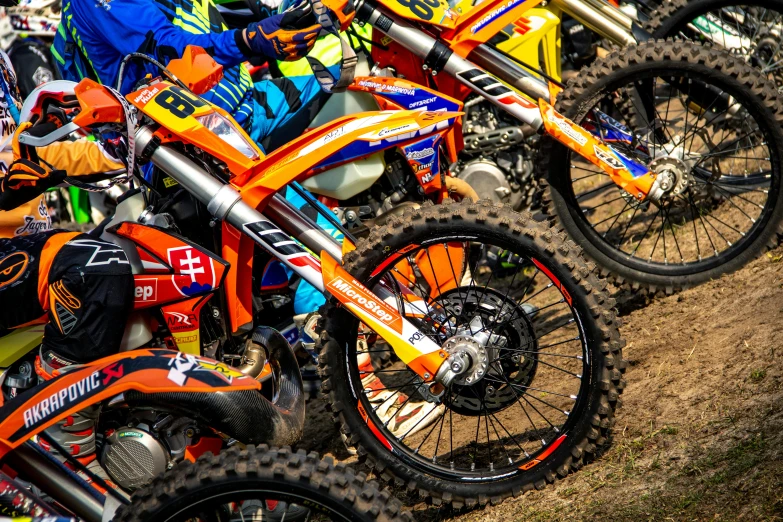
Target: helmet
(59, 90)
(35, 17)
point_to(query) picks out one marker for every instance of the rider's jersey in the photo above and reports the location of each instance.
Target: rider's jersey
(33, 216)
(112, 29)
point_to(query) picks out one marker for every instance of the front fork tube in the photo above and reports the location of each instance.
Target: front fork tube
(224, 202)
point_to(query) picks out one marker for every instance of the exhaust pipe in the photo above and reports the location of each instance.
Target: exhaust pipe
(247, 415)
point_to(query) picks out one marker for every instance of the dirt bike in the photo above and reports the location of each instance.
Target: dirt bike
(632, 130)
(452, 328)
(33, 483)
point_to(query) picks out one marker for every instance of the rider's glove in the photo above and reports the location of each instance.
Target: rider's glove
(288, 36)
(28, 176)
(25, 180)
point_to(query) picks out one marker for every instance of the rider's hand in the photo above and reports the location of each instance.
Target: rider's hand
(25, 180)
(27, 176)
(288, 36)
(23, 174)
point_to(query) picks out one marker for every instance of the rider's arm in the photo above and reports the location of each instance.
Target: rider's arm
(79, 158)
(140, 26)
(36, 170)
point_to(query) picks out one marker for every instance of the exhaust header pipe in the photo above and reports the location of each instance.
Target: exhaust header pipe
(246, 416)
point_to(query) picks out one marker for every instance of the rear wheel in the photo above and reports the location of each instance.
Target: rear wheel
(541, 338)
(262, 484)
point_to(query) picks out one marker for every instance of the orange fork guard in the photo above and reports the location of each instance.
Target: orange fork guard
(596, 152)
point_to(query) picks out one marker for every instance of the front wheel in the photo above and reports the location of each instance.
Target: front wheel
(262, 484)
(703, 117)
(544, 371)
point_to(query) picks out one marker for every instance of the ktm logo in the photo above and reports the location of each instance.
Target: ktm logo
(12, 267)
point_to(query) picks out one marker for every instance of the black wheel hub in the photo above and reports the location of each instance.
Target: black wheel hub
(504, 326)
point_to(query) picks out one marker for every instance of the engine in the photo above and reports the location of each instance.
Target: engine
(497, 159)
(148, 445)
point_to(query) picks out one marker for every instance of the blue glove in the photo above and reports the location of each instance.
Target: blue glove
(288, 36)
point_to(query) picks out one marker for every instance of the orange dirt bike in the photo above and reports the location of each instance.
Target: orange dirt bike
(154, 391)
(663, 160)
(531, 357)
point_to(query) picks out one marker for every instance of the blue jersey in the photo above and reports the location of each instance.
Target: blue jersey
(95, 35)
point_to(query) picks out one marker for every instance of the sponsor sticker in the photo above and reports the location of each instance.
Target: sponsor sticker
(131, 434)
(354, 292)
(607, 158)
(179, 322)
(146, 290)
(426, 178)
(569, 131)
(397, 130)
(492, 15)
(421, 103)
(387, 87)
(61, 399)
(183, 365)
(334, 134)
(188, 261)
(419, 154)
(146, 95)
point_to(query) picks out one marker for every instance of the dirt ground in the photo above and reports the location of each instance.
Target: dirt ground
(700, 433)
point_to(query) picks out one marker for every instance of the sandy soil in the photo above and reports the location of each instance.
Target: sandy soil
(700, 433)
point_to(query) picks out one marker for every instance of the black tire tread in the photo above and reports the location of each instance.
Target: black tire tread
(556, 246)
(663, 12)
(666, 10)
(273, 465)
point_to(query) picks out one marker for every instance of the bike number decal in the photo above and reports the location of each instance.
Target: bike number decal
(179, 102)
(423, 9)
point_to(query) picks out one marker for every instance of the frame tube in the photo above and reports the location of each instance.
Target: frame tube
(420, 44)
(509, 71)
(299, 225)
(55, 482)
(614, 26)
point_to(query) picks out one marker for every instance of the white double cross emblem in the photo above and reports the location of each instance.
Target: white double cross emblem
(191, 264)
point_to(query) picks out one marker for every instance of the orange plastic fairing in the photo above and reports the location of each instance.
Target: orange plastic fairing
(196, 69)
(98, 104)
(298, 159)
